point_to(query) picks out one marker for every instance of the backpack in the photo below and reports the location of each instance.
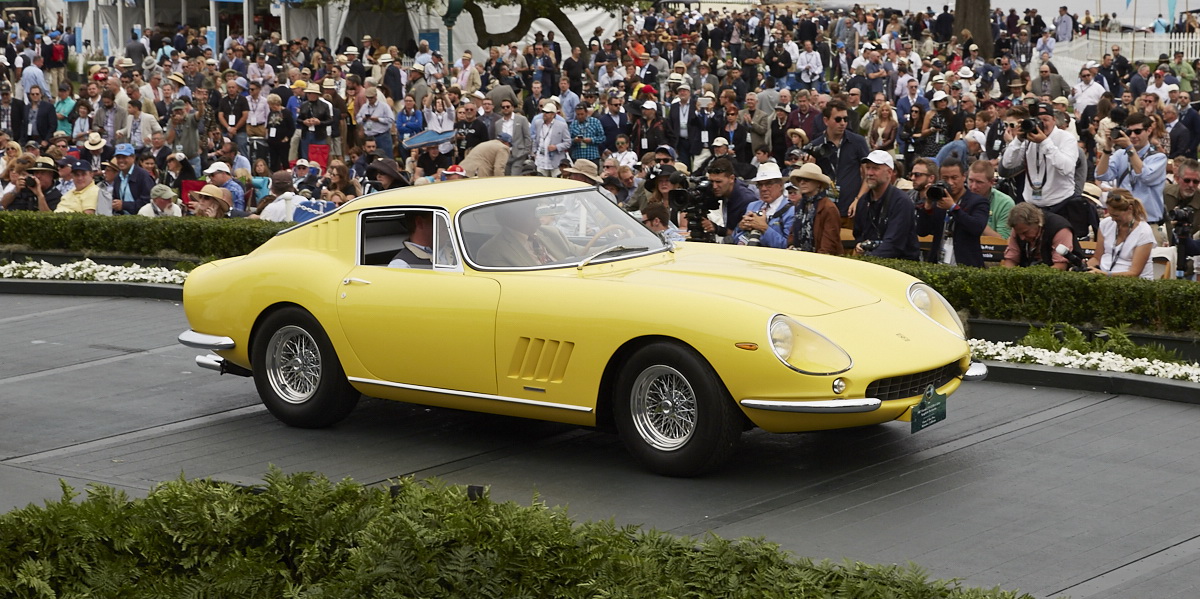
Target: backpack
(58, 53)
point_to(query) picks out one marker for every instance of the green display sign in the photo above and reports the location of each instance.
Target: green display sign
(930, 411)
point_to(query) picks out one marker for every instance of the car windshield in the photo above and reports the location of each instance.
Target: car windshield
(553, 231)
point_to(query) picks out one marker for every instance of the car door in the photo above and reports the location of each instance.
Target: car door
(429, 327)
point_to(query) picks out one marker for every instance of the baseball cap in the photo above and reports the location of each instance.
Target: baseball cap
(217, 167)
(977, 137)
(81, 165)
(880, 157)
(649, 105)
(123, 150)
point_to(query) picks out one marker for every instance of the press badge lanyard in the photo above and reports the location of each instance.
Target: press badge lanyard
(1036, 186)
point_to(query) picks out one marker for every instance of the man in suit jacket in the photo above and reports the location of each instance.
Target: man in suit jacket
(40, 118)
(1049, 84)
(516, 126)
(110, 118)
(1181, 138)
(144, 123)
(614, 121)
(679, 115)
(131, 189)
(967, 217)
(14, 110)
(523, 241)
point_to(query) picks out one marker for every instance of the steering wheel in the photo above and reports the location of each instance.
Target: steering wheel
(601, 233)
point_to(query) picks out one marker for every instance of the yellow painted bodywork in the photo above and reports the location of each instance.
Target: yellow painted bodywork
(547, 336)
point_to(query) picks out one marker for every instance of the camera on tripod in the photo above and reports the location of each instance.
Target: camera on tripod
(695, 200)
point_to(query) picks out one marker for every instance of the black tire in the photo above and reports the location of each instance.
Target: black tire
(694, 431)
(297, 373)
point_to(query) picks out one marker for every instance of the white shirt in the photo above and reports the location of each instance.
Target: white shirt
(1087, 94)
(1118, 257)
(1050, 164)
(280, 210)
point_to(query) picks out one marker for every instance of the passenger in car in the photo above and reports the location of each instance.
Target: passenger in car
(523, 241)
(418, 249)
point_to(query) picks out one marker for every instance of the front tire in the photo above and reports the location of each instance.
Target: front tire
(297, 372)
(673, 412)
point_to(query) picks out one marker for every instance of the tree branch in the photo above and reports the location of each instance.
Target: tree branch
(488, 39)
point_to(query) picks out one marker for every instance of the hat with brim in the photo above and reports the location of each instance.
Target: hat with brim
(657, 172)
(312, 88)
(586, 168)
(386, 58)
(1061, 100)
(148, 62)
(44, 164)
(768, 171)
(720, 141)
(812, 172)
(418, 67)
(162, 192)
(125, 63)
(938, 96)
(177, 79)
(210, 192)
(386, 166)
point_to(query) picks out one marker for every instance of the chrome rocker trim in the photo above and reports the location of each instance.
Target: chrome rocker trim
(825, 406)
(516, 400)
(977, 371)
(196, 340)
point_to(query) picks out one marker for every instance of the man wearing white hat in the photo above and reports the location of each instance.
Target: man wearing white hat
(551, 141)
(883, 222)
(767, 221)
(679, 115)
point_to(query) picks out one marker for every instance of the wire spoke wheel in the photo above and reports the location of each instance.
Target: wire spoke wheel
(293, 364)
(663, 407)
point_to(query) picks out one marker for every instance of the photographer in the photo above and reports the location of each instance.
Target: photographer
(767, 221)
(838, 152)
(735, 196)
(883, 224)
(1182, 210)
(1035, 235)
(35, 191)
(955, 216)
(1132, 163)
(1047, 154)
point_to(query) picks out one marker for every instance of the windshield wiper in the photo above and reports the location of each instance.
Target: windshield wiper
(611, 249)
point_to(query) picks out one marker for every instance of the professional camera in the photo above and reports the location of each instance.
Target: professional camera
(1181, 232)
(937, 191)
(1029, 125)
(870, 245)
(1182, 215)
(30, 182)
(1074, 259)
(820, 151)
(695, 201)
(1117, 132)
(755, 236)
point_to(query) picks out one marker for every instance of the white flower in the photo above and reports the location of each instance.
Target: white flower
(87, 270)
(1004, 351)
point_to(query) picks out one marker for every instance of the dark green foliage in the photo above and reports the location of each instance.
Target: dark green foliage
(1113, 339)
(301, 535)
(136, 235)
(1043, 294)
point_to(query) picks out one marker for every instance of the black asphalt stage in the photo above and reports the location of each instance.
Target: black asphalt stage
(1051, 491)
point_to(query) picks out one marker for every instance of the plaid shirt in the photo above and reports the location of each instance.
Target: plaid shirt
(588, 128)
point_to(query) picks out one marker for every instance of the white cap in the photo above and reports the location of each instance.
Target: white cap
(880, 157)
(767, 171)
(302, 162)
(938, 96)
(978, 137)
(217, 167)
(650, 105)
(549, 107)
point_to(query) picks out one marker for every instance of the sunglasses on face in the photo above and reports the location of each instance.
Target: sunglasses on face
(664, 161)
(1135, 131)
(839, 119)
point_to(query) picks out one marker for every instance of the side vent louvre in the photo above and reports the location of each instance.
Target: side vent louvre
(543, 360)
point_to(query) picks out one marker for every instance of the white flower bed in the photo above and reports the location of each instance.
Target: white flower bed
(87, 270)
(1005, 351)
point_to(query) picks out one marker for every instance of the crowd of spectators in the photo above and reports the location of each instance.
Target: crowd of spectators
(889, 123)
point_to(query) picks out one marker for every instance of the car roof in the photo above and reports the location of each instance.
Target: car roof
(456, 195)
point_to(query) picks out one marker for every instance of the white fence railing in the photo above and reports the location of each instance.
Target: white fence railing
(1146, 47)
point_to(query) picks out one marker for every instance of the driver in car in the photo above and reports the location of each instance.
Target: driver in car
(418, 248)
(523, 240)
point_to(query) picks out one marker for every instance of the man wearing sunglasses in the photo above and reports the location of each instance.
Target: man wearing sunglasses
(1048, 155)
(1182, 195)
(1132, 163)
(839, 155)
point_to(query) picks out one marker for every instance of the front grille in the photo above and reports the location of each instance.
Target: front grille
(910, 385)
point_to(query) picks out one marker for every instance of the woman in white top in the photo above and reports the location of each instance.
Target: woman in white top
(1125, 239)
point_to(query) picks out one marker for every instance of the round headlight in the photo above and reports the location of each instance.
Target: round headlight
(804, 350)
(929, 302)
(782, 339)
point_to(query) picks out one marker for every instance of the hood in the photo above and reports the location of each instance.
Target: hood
(783, 281)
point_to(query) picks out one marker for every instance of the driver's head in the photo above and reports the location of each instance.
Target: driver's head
(520, 216)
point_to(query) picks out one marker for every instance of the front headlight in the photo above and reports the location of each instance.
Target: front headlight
(805, 350)
(929, 302)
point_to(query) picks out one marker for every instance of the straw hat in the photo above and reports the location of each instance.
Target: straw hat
(811, 172)
(211, 192)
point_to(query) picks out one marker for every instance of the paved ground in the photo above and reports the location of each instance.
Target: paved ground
(1047, 490)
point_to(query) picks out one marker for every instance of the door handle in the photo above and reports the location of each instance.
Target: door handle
(349, 280)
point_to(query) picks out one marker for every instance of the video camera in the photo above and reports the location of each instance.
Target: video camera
(696, 200)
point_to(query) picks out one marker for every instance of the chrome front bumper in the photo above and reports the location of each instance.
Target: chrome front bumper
(977, 371)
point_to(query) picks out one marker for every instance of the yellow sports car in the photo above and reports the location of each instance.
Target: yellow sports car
(540, 298)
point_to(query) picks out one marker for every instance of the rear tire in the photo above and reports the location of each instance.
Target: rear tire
(673, 412)
(297, 372)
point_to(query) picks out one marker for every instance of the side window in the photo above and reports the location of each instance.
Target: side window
(445, 256)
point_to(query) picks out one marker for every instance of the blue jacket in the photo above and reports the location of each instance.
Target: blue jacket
(409, 125)
(140, 184)
(735, 206)
(969, 218)
(779, 227)
(847, 172)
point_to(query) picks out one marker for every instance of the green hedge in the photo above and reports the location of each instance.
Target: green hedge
(303, 536)
(136, 235)
(1043, 294)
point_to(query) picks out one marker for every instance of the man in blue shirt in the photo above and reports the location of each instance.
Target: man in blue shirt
(1132, 163)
